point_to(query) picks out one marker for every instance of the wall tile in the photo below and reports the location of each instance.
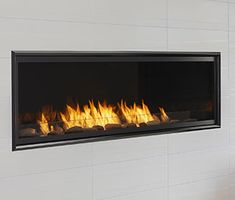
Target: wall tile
(232, 134)
(45, 159)
(5, 117)
(232, 158)
(70, 10)
(232, 185)
(232, 61)
(59, 185)
(225, 86)
(5, 145)
(129, 149)
(198, 140)
(232, 16)
(5, 77)
(232, 106)
(31, 35)
(146, 13)
(200, 14)
(210, 189)
(194, 166)
(128, 177)
(124, 38)
(148, 194)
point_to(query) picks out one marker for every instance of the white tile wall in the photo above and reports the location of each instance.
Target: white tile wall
(130, 12)
(70, 10)
(160, 193)
(18, 34)
(200, 14)
(198, 165)
(5, 117)
(194, 165)
(131, 149)
(208, 189)
(122, 178)
(61, 185)
(123, 37)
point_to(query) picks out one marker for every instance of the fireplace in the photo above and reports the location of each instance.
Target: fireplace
(72, 97)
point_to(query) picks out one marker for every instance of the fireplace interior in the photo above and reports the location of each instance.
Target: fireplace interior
(70, 97)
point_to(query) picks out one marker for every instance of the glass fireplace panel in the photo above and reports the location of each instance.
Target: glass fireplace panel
(59, 100)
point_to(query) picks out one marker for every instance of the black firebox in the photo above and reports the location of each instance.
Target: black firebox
(72, 97)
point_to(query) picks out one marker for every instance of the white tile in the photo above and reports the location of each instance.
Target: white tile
(232, 134)
(201, 14)
(232, 105)
(37, 35)
(210, 189)
(232, 60)
(225, 109)
(232, 185)
(194, 166)
(45, 159)
(5, 118)
(59, 185)
(199, 40)
(123, 38)
(74, 10)
(198, 140)
(148, 195)
(5, 77)
(232, 16)
(148, 12)
(232, 158)
(128, 177)
(5, 144)
(225, 86)
(128, 149)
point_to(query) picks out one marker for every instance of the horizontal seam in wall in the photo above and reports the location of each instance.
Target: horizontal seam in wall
(45, 172)
(78, 167)
(215, 148)
(131, 193)
(199, 180)
(86, 22)
(129, 160)
(196, 28)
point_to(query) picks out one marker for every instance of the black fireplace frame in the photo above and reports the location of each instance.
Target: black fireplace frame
(52, 56)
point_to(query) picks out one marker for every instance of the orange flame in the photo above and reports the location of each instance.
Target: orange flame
(98, 115)
(90, 116)
(136, 114)
(164, 116)
(44, 126)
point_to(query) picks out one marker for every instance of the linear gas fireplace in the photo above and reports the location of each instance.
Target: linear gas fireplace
(72, 97)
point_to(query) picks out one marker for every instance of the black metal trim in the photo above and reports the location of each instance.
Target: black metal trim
(50, 56)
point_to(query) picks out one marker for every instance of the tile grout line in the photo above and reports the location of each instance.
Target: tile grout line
(92, 173)
(167, 137)
(229, 133)
(115, 24)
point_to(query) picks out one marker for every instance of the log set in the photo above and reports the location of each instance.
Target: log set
(32, 132)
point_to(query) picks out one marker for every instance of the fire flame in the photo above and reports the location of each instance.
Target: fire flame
(164, 116)
(90, 116)
(136, 114)
(44, 125)
(98, 115)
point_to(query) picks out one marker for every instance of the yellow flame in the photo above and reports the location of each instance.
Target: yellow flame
(136, 114)
(90, 116)
(44, 126)
(164, 116)
(101, 114)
